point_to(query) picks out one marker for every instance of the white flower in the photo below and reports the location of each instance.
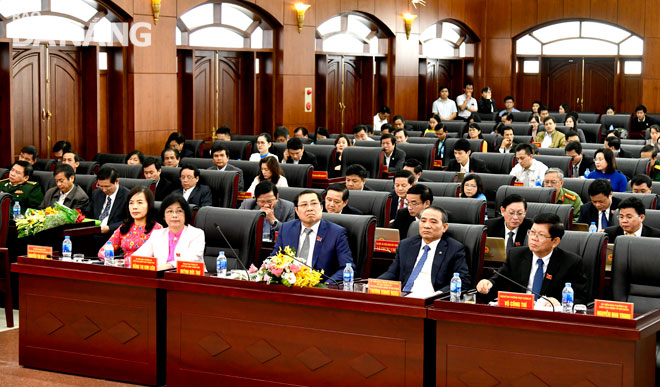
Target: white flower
(290, 277)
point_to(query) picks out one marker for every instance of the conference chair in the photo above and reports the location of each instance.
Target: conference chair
(497, 163)
(559, 117)
(649, 200)
(462, 210)
(531, 194)
(521, 129)
(44, 178)
(130, 183)
(450, 190)
(486, 127)
(372, 203)
(87, 183)
(523, 139)
(579, 186)
(197, 162)
(439, 176)
(459, 127)
(370, 158)
(104, 158)
(616, 121)
(565, 163)
(492, 182)
(590, 118)
(632, 141)
(291, 193)
(429, 138)
(375, 137)
(44, 165)
(335, 135)
(125, 170)
(238, 150)
(326, 141)
(224, 186)
(382, 185)
(633, 149)
(250, 170)
(243, 230)
(419, 126)
(298, 175)
(361, 238)
(367, 143)
(473, 237)
(325, 156)
(87, 168)
(195, 146)
(593, 132)
(3, 172)
(522, 116)
(592, 247)
(633, 167)
(488, 116)
(5, 273)
(564, 211)
(424, 153)
(552, 152)
(414, 133)
(245, 137)
(280, 147)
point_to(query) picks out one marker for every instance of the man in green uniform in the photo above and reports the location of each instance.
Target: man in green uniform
(27, 193)
(554, 178)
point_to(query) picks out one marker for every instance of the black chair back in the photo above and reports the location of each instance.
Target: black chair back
(521, 129)
(415, 133)
(104, 158)
(291, 193)
(616, 120)
(130, 183)
(44, 178)
(198, 162)
(589, 118)
(326, 141)
(172, 174)
(565, 163)
(579, 186)
(552, 152)
(559, 117)
(242, 228)
(633, 167)
(450, 190)
(224, 187)
(298, 175)
(634, 149)
(522, 116)
(593, 132)
(125, 170)
(382, 185)
(564, 211)
(650, 200)
(360, 230)
(455, 127)
(424, 153)
(46, 165)
(439, 176)
(636, 273)
(325, 156)
(5, 204)
(87, 168)
(419, 126)
(238, 150)
(367, 143)
(370, 158)
(250, 170)
(245, 137)
(462, 210)
(592, 247)
(3, 173)
(195, 146)
(531, 194)
(429, 139)
(373, 203)
(87, 183)
(497, 163)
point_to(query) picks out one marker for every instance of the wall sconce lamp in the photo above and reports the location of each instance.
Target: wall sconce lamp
(408, 19)
(301, 8)
(155, 7)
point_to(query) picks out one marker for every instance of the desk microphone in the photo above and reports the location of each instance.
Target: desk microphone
(526, 289)
(232, 250)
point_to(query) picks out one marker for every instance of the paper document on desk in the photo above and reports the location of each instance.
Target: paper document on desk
(423, 294)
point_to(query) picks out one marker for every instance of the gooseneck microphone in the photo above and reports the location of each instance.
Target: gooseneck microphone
(526, 289)
(232, 250)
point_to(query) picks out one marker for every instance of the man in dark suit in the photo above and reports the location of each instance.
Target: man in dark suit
(631, 217)
(416, 167)
(642, 184)
(601, 207)
(336, 200)
(541, 267)
(419, 197)
(614, 143)
(403, 180)
(192, 191)
(321, 245)
(220, 155)
(67, 192)
(412, 266)
(463, 162)
(295, 154)
(580, 161)
(267, 199)
(356, 176)
(393, 157)
(108, 203)
(512, 225)
(152, 170)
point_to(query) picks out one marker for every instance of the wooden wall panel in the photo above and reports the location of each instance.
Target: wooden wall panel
(604, 10)
(276, 8)
(577, 8)
(298, 50)
(652, 15)
(550, 10)
(290, 16)
(401, 7)
(629, 13)
(429, 16)
(458, 9)
(523, 15)
(126, 5)
(501, 87)
(325, 10)
(651, 94)
(348, 5)
(498, 19)
(103, 112)
(150, 59)
(294, 101)
(475, 16)
(143, 7)
(444, 9)
(368, 6)
(154, 109)
(632, 95)
(405, 97)
(406, 55)
(389, 13)
(651, 64)
(498, 57)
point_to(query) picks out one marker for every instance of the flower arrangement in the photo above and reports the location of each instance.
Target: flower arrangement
(39, 220)
(284, 269)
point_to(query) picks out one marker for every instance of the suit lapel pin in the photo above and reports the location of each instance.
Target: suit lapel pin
(548, 276)
(319, 239)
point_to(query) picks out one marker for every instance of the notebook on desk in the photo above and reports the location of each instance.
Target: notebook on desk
(495, 249)
(387, 234)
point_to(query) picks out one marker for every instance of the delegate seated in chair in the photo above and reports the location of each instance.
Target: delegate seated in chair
(192, 191)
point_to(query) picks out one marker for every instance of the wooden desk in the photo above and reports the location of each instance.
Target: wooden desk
(91, 320)
(484, 345)
(242, 333)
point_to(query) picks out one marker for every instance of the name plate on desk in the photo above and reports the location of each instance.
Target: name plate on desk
(190, 268)
(244, 195)
(614, 309)
(144, 263)
(320, 175)
(437, 163)
(39, 252)
(515, 300)
(518, 184)
(386, 246)
(384, 287)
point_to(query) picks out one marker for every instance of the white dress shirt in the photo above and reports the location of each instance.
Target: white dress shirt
(64, 195)
(312, 241)
(472, 104)
(444, 108)
(547, 140)
(506, 235)
(607, 215)
(378, 122)
(104, 222)
(187, 192)
(464, 168)
(528, 176)
(532, 273)
(423, 284)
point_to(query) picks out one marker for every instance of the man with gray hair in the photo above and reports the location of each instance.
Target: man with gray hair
(554, 178)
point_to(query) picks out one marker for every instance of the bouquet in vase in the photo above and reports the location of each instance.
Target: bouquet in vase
(284, 268)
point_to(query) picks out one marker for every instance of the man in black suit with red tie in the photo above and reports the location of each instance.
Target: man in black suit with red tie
(513, 224)
(403, 180)
(463, 162)
(541, 267)
(600, 210)
(631, 217)
(152, 170)
(295, 154)
(580, 161)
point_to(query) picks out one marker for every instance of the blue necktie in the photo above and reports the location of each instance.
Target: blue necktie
(106, 210)
(417, 270)
(538, 278)
(603, 220)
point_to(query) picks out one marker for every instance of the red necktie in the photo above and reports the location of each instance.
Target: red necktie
(401, 203)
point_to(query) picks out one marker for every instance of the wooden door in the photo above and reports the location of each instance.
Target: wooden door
(29, 98)
(598, 90)
(333, 104)
(229, 65)
(562, 79)
(204, 91)
(64, 92)
(352, 94)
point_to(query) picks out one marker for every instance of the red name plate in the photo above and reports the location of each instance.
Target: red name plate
(320, 175)
(614, 309)
(39, 252)
(384, 287)
(244, 195)
(437, 163)
(190, 268)
(144, 263)
(386, 246)
(515, 300)
(538, 144)
(518, 183)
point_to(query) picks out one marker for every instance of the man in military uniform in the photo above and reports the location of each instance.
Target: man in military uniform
(27, 193)
(651, 153)
(554, 178)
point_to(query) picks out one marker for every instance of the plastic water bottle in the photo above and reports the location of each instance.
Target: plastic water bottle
(539, 183)
(593, 228)
(16, 210)
(486, 216)
(348, 278)
(611, 128)
(455, 288)
(66, 248)
(221, 264)
(567, 298)
(586, 173)
(109, 253)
